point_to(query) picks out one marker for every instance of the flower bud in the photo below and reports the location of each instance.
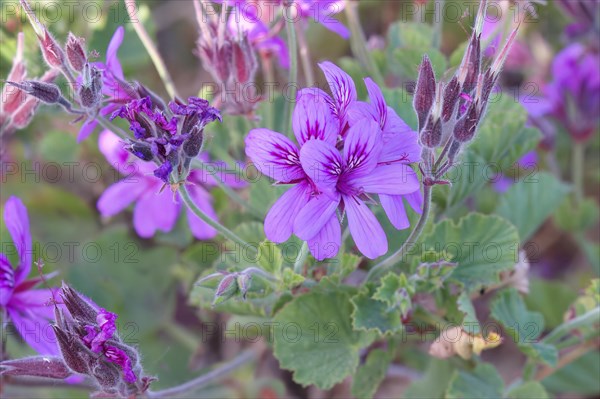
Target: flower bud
(51, 50)
(75, 354)
(141, 150)
(193, 145)
(244, 60)
(431, 134)
(90, 92)
(465, 128)
(424, 91)
(227, 288)
(451, 96)
(473, 64)
(48, 93)
(164, 171)
(79, 308)
(36, 366)
(244, 280)
(453, 151)
(75, 52)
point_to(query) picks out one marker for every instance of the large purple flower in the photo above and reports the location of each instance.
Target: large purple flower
(278, 157)
(29, 309)
(114, 87)
(153, 210)
(345, 180)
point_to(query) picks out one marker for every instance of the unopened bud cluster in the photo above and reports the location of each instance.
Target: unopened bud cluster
(235, 284)
(230, 59)
(450, 113)
(90, 346)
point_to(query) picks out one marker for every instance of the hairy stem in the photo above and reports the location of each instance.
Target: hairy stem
(203, 380)
(414, 235)
(224, 231)
(309, 75)
(159, 64)
(359, 43)
(112, 127)
(586, 318)
(293, 76)
(301, 258)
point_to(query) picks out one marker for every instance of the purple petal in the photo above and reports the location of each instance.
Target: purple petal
(111, 53)
(274, 155)
(87, 128)
(17, 224)
(377, 100)
(155, 212)
(415, 200)
(119, 357)
(392, 179)
(121, 194)
(322, 163)
(279, 222)
(313, 119)
(7, 280)
(359, 110)
(112, 147)
(315, 215)
(362, 147)
(365, 228)
(393, 205)
(327, 242)
(199, 228)
(334, 25)
(342, 87)
(402, 147)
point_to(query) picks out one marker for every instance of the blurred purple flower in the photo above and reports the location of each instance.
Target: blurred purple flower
(114, 87)
(278, 157)
(30, 310)
(586, 15)
(155, 210)
(345, 180)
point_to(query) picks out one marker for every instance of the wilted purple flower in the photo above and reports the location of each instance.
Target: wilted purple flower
(345, 180)
(155, 210)
(276, 156)
(29, 309)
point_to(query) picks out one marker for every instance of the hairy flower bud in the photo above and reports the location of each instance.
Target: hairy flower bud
(79, 308)
(48, 93)
(451, 96)
(141, 150)
(90, 92)
(244, 60)
(51, 50)
(431, 134)
(453, 151)
(226, 289)
(424, 91)
(473, 63)
(465, 128)
(193, 145)
(36, 366)
(75, 52)
(75, 354)
(244, 280)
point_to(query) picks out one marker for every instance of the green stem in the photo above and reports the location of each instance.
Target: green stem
(309, 75)
(293, 76)
(203, 380)
(301, 258)
(231, 236)
(414, 235)
(578, 169)
(159, 64)
(358, 42)
(585, 319)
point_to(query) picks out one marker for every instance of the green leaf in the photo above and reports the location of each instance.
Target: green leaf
(270, 258)
(577, 378)
(371, 374)
(483, 382)
(291, 279)
(528, 390)
(434, 383)
(577, 216)
(313, 337)
(551, 299)
(388, 289)
(374, 316)
(523, 326)
(527, 204)
(470, 322)
(481, 245)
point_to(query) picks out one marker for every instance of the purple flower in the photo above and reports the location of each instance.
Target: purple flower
(345, 180)
(30, 310)
(153, 210)
(278, 157)
(97, 336)
(119, 357)
(113, 85)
